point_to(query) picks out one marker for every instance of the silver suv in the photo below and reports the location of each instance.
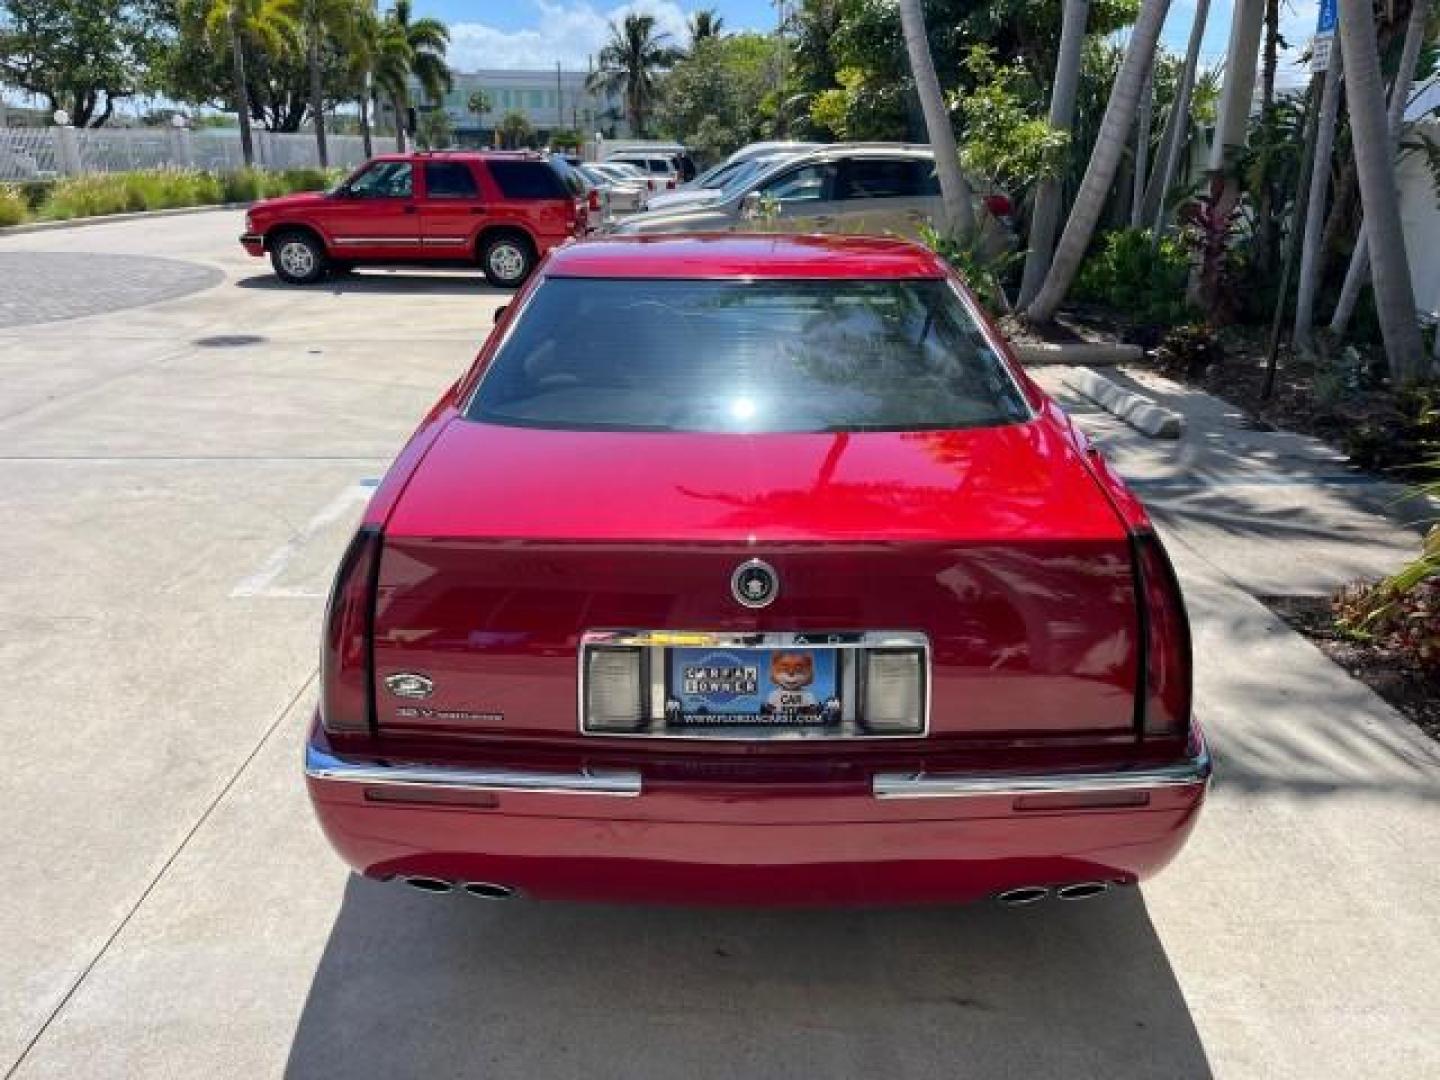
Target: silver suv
(839, 189)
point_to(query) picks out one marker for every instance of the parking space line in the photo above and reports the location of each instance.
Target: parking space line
(262, 582)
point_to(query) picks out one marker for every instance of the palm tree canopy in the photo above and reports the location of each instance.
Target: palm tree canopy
(630, 60)
(705, 24)
(426, 41)
(272, 25)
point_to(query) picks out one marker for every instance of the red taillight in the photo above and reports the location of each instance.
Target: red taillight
(347, 657)
(1165, 702)
(999, 205)
(669, 185)
(649, 183)
(595, 199)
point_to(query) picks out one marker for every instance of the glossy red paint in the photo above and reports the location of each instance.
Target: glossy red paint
(745, 255)
(423, 226)
(1013, 549)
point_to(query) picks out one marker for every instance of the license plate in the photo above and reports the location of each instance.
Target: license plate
(781, 687)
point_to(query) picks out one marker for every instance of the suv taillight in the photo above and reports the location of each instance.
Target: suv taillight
(670, 184)
(594, 202)
(1165, 701)
(347, 656)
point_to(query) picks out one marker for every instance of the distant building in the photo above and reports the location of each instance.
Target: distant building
(549, 101)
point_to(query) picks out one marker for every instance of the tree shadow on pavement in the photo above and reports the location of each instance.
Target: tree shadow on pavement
(416, 985)
(378, 280)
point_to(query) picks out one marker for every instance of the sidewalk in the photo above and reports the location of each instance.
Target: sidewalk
(1301, 920)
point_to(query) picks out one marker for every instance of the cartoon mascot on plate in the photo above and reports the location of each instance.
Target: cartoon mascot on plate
(792, 673)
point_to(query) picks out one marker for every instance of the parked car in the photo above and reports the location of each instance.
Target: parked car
(502, 210)
(843, 188)
(661, 169)
(623, 193)
(731, 178)
(754, 569)
(676, 153)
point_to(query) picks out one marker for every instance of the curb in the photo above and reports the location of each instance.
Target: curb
(1135, 409)
(1082, 353)
(105, 219)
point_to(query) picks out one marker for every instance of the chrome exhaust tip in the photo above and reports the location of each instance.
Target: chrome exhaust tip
(488, 890)
(429, 884)
(1082, 890)
(1025, 894)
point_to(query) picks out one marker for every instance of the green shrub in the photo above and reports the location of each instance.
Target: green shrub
(98, 194)
(983, 271)
(13, 209)
(1133, 275)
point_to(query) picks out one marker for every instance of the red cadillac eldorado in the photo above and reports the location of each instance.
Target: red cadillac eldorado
(753, 569)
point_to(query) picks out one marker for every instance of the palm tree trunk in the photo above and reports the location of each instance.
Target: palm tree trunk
(954, 191)
(1178, 128)
(1356, 272)
(1142, 149)
(1100, 172)
(1380, 199)
(1315, 210)
(399, 103)
(242, 89)
(364, 103)
(317, 97)
(1062, 118)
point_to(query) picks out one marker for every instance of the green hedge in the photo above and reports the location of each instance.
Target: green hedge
(98, 194)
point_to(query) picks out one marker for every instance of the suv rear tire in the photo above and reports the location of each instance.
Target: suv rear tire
(507, 259)
(298, 258)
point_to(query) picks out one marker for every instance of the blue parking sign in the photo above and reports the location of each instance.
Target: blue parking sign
(1327, 18)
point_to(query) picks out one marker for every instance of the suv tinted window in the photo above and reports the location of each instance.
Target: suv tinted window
(809, 183)
(833, 355)
(384, 180)
(885, 178)
(528, 179)
(450, 180)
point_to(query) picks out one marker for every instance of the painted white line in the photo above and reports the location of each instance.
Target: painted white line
(262, 582)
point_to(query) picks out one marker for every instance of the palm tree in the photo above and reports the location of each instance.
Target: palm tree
(954, 191)
(1374, 150)
(629, 63)
(324, 21)
(1062, 117)
(268, 24)
(1100, 172)
(1359, 266)
(416, 49)
(1315, 205)
(1173, 139)
(704, 24)
(479, 103)
(363, 50)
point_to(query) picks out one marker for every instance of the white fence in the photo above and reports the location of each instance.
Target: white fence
(38, 153)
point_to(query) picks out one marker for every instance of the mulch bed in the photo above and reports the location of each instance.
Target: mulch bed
(1412, 691)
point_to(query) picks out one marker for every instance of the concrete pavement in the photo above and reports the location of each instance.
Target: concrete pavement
(178, 481)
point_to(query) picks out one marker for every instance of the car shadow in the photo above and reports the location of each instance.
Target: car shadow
(418, 985)
(385, 280)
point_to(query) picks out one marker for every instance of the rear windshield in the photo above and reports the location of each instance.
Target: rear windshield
(529, 179)
(747, 356)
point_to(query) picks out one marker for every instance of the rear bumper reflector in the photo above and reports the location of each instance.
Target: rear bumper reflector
(321, 764)
(1193, 770)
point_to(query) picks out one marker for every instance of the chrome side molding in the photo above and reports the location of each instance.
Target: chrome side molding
(320, 764)
(1192, 771)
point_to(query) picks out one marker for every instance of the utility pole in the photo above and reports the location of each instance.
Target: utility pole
(559, 99)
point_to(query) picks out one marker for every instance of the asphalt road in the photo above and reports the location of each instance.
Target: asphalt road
(184, 447)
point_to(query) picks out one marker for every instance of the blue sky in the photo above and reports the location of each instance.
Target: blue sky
(537, 33)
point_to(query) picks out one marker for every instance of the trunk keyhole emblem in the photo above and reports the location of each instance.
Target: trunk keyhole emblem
(755, 584)
(409, 684)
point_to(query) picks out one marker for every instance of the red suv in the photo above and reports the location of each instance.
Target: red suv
(502, 210)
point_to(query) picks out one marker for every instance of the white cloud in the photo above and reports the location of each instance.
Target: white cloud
(569, 33)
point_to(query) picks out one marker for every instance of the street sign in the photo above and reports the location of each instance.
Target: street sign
(1325, 22)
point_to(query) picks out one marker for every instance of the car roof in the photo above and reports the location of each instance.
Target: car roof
(745, 255)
